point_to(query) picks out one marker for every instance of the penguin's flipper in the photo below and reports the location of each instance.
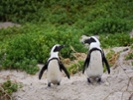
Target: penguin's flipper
(86, 63)
(62, 67)
(106, 63)
(42, 70)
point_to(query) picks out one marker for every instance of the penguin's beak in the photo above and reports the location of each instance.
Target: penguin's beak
(60, 47)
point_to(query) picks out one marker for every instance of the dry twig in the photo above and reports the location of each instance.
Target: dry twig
(5, 94)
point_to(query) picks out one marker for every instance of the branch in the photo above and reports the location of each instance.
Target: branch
(5, 93)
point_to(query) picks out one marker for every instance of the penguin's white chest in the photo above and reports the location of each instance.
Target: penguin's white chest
(95, 68)
(53, 74)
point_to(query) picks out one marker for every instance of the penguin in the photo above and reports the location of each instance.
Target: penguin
(95, 60)
(54, 66)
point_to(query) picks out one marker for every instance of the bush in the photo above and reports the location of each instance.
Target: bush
(24, 51)
(7, 88)
(115, 40)
(107, 26)
(130, 54)
(20, 11)
(64, 12)
(73, 69)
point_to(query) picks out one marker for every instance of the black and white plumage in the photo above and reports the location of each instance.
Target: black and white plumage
(54, 67)
(95, 60)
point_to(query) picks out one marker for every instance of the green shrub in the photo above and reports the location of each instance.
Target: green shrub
(107, 26)
(130, 54)
(22, 53)
(64, 12)
(32, 45)
(73, 69)
(7, 88)
(115, 40)
(112, 57)
(20, 11)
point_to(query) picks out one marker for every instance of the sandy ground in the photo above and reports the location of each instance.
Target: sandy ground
(116, 86)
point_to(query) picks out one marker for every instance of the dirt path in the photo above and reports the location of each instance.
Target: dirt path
(117, 86)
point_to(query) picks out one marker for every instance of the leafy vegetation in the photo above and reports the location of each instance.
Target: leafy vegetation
(112, 57)
(130, 54)
(7, 88)
(74, 68)
(49, 22)
(62, 12)
(119, 39)
(26, 50)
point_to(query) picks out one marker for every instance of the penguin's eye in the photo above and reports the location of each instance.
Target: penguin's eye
(56, 49)
(90, 40)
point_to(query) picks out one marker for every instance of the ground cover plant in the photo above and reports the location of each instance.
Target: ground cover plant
(130, 54)
(7, 88)
(74, 68)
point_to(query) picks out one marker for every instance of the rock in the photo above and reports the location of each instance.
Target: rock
(8, 24)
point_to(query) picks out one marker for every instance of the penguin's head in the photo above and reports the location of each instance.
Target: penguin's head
(91, 39)
(56, 48)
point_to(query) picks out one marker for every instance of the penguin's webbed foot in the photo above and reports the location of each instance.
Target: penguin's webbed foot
(49, 84)
(58, 83)
(89, 81)
(99, 80)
